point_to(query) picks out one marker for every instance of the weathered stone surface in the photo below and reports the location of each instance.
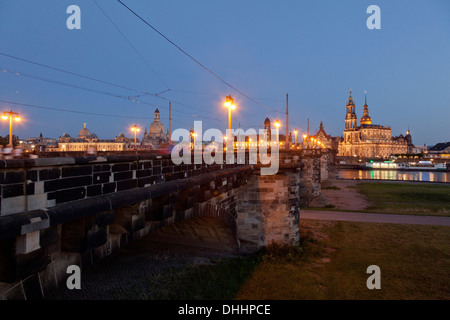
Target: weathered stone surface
(318, 202)
(326, 184)
(93, 216)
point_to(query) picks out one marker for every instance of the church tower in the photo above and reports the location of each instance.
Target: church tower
(351, 120)
(365, 119)
(267, 127)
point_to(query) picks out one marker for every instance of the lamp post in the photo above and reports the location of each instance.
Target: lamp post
(135, 128)
(193, 136)
(5, 116)
(229, 103)
(295, 132)
(277, 125)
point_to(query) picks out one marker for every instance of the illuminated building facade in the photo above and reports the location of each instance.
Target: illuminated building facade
(369, 140)
(89, 142)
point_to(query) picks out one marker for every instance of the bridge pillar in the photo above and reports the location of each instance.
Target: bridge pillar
(269, 210)
(314, 173)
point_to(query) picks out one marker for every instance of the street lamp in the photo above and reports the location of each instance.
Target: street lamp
(277, 125)
(229, 103)
(295, 132)
(193, 136)
(5, 116)
(136, 129)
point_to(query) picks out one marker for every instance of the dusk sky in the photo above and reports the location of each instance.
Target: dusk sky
(316, 51)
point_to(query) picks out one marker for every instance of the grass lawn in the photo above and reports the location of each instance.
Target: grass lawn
(405, 198)
(330, 264)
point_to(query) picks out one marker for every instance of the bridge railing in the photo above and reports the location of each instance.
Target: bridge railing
(30, 184)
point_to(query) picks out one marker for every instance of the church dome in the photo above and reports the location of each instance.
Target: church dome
(366, 119)
(84, 133)
(156, 128)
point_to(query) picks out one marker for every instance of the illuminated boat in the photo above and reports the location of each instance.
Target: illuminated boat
(391, 165)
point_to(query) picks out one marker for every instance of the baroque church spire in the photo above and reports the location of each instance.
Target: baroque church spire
(365, 119)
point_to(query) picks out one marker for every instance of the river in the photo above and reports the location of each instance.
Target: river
(434, 176)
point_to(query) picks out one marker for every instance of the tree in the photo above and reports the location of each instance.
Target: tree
(4, 141)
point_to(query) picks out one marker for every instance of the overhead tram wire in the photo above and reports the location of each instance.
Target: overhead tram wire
(195, 60)
(131, 45)
(82, 112)
(97, 91)
(144, 60)
(72, 85)
(76, 74)
(156, 95)
(72, 111)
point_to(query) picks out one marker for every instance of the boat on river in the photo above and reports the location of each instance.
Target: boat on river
(421, 165)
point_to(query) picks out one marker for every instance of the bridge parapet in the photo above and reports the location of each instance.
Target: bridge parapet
(32, 184)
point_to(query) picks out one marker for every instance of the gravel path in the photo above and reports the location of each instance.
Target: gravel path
(373, 217)
(128, 268)
(346, 197)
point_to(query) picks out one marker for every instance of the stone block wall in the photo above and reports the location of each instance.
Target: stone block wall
(268, 210)
(27, 185)
(78, 210)
(93, 206)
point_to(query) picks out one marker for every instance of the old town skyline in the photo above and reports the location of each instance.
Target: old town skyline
(314, 57)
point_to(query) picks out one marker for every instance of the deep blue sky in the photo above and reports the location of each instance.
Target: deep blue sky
(316, 51)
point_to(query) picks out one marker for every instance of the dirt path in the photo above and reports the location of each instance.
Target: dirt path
(373, 217)
(346, 198)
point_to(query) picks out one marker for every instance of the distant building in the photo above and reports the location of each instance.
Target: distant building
(38, 144)
(442, 146)
(440, 151)
(420, 149)
(322, 139)
(370, 140)
(89, 142)
(156, 136)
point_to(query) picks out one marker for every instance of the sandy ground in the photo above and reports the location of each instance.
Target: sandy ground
(374, 217)
(346, 198)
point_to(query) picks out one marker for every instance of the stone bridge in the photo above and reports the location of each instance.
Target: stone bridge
(57, 212)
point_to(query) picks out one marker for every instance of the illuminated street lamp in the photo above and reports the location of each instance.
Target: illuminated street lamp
(229, 103)
(9, 115)
(193, 134)
(277, 125)
(295, 132)
(136, 129)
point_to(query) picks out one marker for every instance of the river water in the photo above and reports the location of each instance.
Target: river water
(443, 176)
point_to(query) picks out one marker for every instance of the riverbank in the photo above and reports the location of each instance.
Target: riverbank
(389, 197)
